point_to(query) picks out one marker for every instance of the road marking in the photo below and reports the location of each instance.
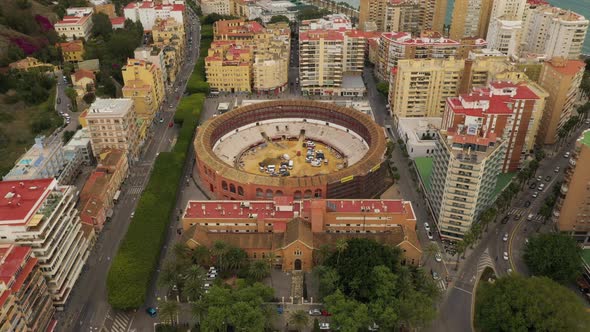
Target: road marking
(461, 289)
(442, 285)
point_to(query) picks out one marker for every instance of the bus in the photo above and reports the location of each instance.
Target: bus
(116, 197)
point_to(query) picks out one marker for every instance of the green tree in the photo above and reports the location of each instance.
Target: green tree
(73, 96)
(311, 13)
(67, 135)
(181, 252)
(341, 246)
(383, 88)
(170, 274)
(328, 280)
(556, 256)
(169, 310)
(201, 255)
(279, 18)
(101, 26)
(219, 250)
(258, 270)
(431, 250)
(516, 303)
(299, 319)
(357, 261)
(348, 315)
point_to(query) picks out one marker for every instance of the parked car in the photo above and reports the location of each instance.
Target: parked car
(171, 124)
(430, 236)
(505, 256)
(548, 178)
(161, 120)
(566, 155)
(151, 311)
(535, 194)
(556, 170)
(324, 326)
(527, 204)
(326, 313)
(438, 257)
(533, 185)
(505, 219)
(435, 275)
(539, 178)
(426, 226)
(315, 312)
(505, 237)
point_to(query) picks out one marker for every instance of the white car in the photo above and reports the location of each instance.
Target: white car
(315, 312)
(539, 178)
(566, 155)
(556, 170)
(324, 326)
(427, 226)
(438, 257)
(505, 256)
(430, 236)
(535, 194)
(505, 237)
(132, 214)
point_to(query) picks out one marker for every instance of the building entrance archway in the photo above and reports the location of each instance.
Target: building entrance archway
(297, 265)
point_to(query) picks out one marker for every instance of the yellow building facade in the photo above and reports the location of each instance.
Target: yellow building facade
(72, 51)
(169, 36)
(144, 84)
(228, 67)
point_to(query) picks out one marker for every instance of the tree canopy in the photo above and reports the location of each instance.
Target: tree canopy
(556, 256)
(240, 307)
(364, 282)
(101, 25)
(279, 18)
(516, 303)
(311, 13)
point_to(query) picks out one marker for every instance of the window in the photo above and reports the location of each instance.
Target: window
(298, 252)
(224, 185)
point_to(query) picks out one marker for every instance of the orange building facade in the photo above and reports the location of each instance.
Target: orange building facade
(291, 231)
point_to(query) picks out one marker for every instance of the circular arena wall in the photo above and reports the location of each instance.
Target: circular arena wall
(364, 179)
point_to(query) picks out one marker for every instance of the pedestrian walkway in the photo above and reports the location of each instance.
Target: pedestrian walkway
(485, 260)
(121, 322)
(135, 190)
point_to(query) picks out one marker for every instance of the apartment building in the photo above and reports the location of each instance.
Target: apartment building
(155, 55)
(240, 8)
(571, 214)
(45, 159)
(394, 46)
(470, 19)
(25, 303)
(434, 14)
(505, 36)
(331, 62)
(510, 110)
(29, 63)
(113, 124)
(220, 7)
(562, 79)
(419, 135)
(97, 196)
(403, 16)
(420, 88)
(41, 214)
(466, 165)
(169, 37)
(76, 25)
(246, 56)
(372, 15)
(72, 51)
(147, 12)
(328, 22)
(144, 84)
(228, 67)
(80, 144)
(508, 9)
(554, 32)
(291, 230)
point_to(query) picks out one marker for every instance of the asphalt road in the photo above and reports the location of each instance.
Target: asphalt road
(62, 103)
(88, 309)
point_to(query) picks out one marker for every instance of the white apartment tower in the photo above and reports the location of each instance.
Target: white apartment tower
(41, 214)
(554, 32)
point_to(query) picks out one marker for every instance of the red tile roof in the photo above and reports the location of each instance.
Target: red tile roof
(81, 73)
(11, 259)
(568, 67)
(19, 198)
(117, 21)
(321, 34)
(73, 46)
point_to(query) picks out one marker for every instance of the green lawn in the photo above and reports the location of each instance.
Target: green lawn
(424, 166)
(586, 137)
(586, 256)
(16, 135)
(503, 181)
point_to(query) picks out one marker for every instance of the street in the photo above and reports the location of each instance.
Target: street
(87, 308)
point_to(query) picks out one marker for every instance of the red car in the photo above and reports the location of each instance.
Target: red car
(171, 124)
(326, 313)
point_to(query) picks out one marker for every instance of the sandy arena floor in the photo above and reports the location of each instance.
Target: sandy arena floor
(271, 155)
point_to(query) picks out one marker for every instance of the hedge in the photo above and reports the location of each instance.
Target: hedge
(133, 266)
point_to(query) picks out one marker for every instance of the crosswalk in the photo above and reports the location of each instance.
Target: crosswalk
(514, 211)
(135, 190)
(121, 322)
(524, 213)
(442, 284)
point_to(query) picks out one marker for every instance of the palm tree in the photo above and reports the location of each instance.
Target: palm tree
(235, 259)
(431, 250)
(169, 274)
(341, 246)
(194, 273)
(461, 246)
(322, 254)
(201, 255)
(258, 270)
(181, 251)
(299, 319)
(169, 311)
(219, 250)
(193, 289)
(199, 310)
